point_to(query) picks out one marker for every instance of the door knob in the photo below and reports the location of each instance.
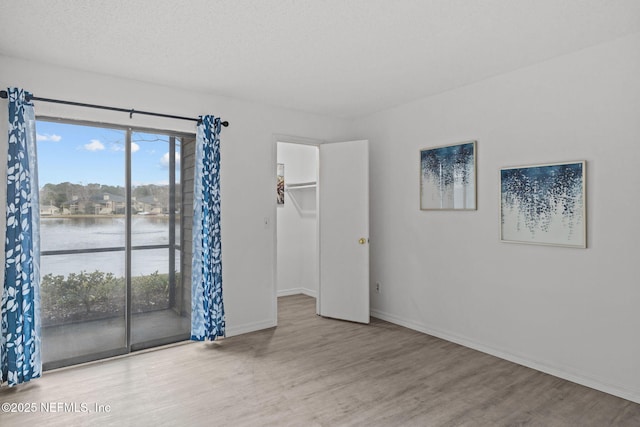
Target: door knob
(362, 241)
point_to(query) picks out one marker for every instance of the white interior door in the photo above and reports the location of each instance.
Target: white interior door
(343, 204)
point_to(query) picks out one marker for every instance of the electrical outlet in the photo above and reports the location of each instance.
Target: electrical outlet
(377, 287)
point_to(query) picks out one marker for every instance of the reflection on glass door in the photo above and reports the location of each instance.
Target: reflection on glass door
(110, 259)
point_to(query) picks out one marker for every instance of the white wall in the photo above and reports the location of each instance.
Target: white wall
(248, 175)
(297, 222)
(571, 312)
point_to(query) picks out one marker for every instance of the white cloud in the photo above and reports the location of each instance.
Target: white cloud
(47, 137)
(134, 147)
(164, 160)
(94, 145)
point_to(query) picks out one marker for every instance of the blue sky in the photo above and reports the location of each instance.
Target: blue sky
(87, 154)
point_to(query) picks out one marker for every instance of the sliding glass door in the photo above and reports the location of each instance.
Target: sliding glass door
(158, 311)
(110, 237)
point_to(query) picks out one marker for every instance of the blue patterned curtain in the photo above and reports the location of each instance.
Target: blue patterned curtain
(207, 308)
(20, 341)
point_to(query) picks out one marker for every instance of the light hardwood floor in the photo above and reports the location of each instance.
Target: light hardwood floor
(311, 371)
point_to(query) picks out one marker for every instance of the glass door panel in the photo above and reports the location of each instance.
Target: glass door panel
(157, 314)
(82, 207)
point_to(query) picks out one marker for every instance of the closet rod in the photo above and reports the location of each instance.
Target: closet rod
(131, 111)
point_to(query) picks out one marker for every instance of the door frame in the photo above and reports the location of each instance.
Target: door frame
(291, 139)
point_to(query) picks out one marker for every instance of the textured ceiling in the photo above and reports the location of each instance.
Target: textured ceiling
(343, 58)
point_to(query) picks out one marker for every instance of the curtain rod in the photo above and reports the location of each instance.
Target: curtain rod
(131, 111)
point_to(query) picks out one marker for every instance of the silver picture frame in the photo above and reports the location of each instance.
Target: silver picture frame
(544, 204)
(448, 177)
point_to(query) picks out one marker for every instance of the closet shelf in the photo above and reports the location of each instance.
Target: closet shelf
(300, 185)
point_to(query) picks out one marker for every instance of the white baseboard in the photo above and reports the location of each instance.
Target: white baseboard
(577, 378)
(297, 291)
(249, 327)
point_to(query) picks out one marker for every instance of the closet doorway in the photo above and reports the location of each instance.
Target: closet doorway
(322, 225)
(297, 219)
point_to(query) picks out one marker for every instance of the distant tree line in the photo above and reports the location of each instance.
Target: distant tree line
(67, 196)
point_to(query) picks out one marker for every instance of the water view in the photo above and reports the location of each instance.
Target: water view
(73, 233)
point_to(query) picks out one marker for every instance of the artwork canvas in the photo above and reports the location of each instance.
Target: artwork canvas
(448, 177)
(280, 184)
(544, 204)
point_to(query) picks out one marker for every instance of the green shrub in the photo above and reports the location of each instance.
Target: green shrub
(150, 292)
(88, 296)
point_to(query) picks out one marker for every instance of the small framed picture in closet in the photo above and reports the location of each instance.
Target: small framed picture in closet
(280, 184)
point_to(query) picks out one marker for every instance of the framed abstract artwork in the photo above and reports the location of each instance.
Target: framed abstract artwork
(448, 177)
(544, 204)
(280, 184)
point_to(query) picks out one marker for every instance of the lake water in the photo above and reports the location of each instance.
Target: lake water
(105, 232)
